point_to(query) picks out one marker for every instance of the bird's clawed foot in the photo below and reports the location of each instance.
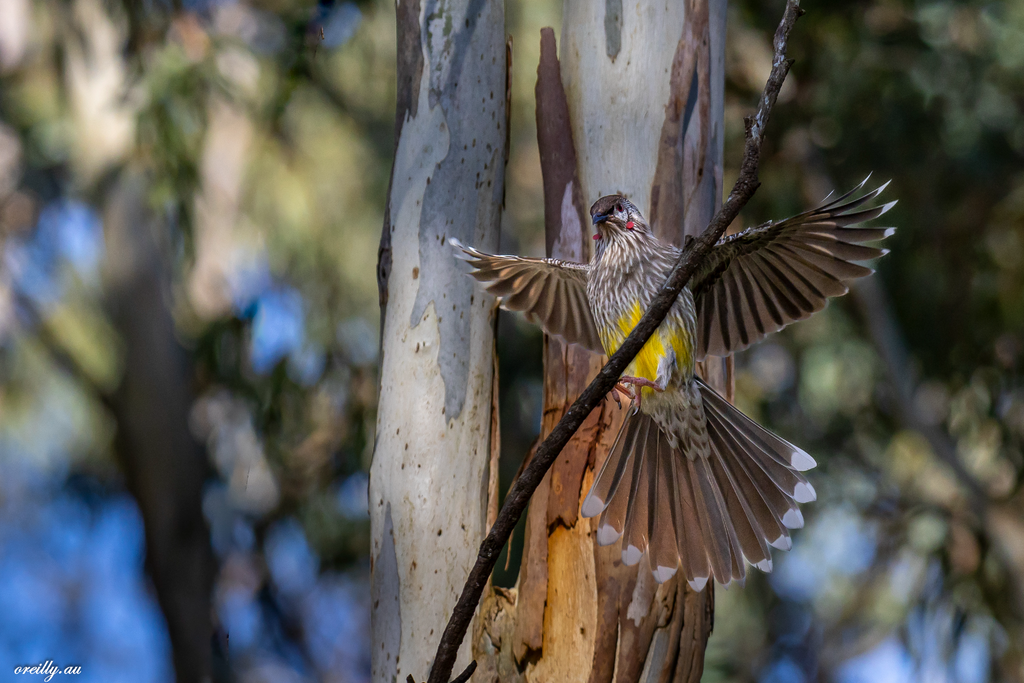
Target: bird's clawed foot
(631, 387)
(621, 388)
(641, 382)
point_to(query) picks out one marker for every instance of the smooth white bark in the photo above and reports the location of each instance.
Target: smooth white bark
(617, 106)
(430, 472)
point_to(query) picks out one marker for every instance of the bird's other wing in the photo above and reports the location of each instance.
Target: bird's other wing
(760, 280)
(550, 292)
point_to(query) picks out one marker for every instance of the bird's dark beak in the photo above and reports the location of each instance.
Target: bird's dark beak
(601, 218)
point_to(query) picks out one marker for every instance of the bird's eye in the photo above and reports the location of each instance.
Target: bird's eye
(618, 208)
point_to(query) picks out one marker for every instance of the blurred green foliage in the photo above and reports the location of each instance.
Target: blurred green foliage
(929, 95)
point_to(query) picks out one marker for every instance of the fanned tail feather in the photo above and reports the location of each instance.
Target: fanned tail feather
(708, 506)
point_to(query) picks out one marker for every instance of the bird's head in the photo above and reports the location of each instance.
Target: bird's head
(616, 216)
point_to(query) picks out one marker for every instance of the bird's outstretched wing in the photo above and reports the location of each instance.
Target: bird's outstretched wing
(760, 280)
(550, 292)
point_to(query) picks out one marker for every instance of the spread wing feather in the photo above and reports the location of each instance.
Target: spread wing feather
(764, 278)
(550, 292)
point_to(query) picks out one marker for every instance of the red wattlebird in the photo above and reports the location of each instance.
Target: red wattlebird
(690, 479)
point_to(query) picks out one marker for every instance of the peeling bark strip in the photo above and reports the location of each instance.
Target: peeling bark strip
(565, 215)
(386, 608)
(549, 449)
(410, 71)
(612, 28)
(410, 63)
(433, 466)
(493, 495)
(676, 184)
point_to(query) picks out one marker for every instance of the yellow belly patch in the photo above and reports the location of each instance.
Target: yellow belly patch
(647, 361)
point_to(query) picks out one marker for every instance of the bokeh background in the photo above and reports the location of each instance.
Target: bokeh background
(259, 136)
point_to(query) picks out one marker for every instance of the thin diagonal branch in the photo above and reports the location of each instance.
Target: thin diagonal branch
(547, 452)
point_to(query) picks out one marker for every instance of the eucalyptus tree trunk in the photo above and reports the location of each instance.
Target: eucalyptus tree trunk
(636, 107)
(165, 467)
(434, 468)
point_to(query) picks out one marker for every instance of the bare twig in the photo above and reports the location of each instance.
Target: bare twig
(519, 494)
(464, 676)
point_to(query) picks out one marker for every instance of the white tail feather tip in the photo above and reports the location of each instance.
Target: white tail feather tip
(698, 583)
(782, 542)
(592, 506)
(606, 534)
(663, 574)
(793, 519)
(801, 462)
(765, 565)
(631, 555)
(887, 206)
(804, 493)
